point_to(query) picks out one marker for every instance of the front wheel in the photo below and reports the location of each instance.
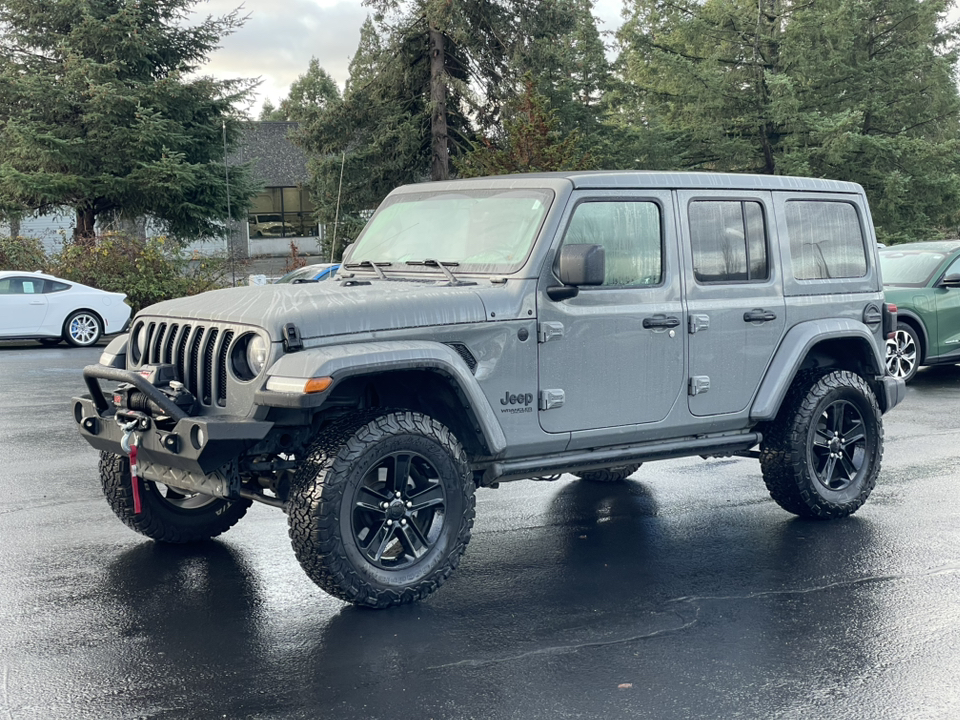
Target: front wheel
(821, 457)
(166, 515)
(382, 508)
(82, 329)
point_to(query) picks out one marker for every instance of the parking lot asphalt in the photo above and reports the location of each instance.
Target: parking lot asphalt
(685, 592)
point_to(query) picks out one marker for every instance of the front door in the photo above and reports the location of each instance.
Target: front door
(613, 355)
(735, 299)
(23, 305)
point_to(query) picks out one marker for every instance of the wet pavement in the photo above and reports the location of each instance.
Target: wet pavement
(684, 593)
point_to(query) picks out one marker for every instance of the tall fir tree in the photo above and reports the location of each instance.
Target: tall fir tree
(102, 110)
(862, 91)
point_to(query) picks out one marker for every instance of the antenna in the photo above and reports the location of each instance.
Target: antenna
(336, 215)
(226, 172)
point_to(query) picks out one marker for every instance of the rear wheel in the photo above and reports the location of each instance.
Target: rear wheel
(903, 353)
(83, 329)
(382, 508)
(607, 475)
(821, 457)
(166, 514)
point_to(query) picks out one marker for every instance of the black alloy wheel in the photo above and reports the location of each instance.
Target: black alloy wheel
(839, 446)
(399, 508)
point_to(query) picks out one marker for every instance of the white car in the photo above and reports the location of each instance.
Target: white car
(50, 309)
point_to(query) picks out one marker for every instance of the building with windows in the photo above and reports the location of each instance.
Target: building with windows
(280, 214)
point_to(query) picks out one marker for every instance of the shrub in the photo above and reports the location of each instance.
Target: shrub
(148, 271)
(24, 254)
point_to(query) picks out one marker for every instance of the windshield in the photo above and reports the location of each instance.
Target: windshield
(909, 267)
(304, 273)
(488, 231)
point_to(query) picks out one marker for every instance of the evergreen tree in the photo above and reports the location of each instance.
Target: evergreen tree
(533, 142)
(309, 95)
(101, 110)
(862, 91)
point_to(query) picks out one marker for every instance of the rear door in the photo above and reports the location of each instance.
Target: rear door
(735, 306)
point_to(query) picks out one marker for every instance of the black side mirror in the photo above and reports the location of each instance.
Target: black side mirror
(578, 265)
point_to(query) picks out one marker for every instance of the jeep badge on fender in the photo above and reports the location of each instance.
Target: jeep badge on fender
(674, 314)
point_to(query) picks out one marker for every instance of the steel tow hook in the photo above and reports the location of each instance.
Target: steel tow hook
(129, 443)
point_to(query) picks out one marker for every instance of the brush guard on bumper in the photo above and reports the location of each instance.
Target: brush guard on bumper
(173, 439)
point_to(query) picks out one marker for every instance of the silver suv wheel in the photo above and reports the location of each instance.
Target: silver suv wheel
(903, 353)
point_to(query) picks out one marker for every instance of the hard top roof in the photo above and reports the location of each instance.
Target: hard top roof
(625, 179)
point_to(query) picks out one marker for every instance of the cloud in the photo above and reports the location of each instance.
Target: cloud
(279, 38)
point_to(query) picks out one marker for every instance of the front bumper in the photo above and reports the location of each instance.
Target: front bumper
(198, 445)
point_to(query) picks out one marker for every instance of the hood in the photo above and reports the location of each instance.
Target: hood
(326, 309)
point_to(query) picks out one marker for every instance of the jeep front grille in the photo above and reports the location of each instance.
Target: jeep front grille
(200, 354)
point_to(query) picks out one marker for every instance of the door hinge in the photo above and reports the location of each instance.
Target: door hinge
(699, 384)
(696, 323)
(551, 399)
(548, 331)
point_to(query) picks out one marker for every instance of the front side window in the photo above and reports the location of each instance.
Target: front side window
(474, 231)
(20, 286)
(826, 240)
(630, 233)
(729, 241)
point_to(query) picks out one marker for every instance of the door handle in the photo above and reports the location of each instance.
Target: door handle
(36, 302)
(759, 315)
(661, 321)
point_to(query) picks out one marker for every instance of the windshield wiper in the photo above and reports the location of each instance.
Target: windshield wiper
(443, 265)
(372, 265)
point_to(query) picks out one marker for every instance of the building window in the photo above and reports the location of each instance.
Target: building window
(282, 212)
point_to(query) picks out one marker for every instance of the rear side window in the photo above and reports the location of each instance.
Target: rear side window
(52, 286)
(631, 237)
(826, 240)
(729, 241)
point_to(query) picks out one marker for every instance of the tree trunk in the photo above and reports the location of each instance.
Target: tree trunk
(83, 233)
(440, 163)
(15, 226)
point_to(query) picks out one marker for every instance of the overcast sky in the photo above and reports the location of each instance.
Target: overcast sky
(281, 36)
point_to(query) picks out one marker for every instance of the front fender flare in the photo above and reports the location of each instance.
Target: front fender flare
(796, 345)
(343, 361)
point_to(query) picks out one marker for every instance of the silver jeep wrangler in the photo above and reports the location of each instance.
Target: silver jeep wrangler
(505, 328)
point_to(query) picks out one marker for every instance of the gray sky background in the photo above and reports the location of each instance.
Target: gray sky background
(281, 36)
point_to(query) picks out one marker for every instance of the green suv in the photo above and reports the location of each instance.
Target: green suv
(923, 281)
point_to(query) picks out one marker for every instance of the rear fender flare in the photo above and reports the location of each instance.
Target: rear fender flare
(797, 344)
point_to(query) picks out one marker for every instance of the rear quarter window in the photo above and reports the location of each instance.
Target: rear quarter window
(826, 240)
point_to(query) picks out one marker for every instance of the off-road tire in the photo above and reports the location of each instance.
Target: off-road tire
(609, 475)
(159, 518)
(794, 446)
(323, 507)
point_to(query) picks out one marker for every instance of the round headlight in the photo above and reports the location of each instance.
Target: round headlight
(257, 350)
